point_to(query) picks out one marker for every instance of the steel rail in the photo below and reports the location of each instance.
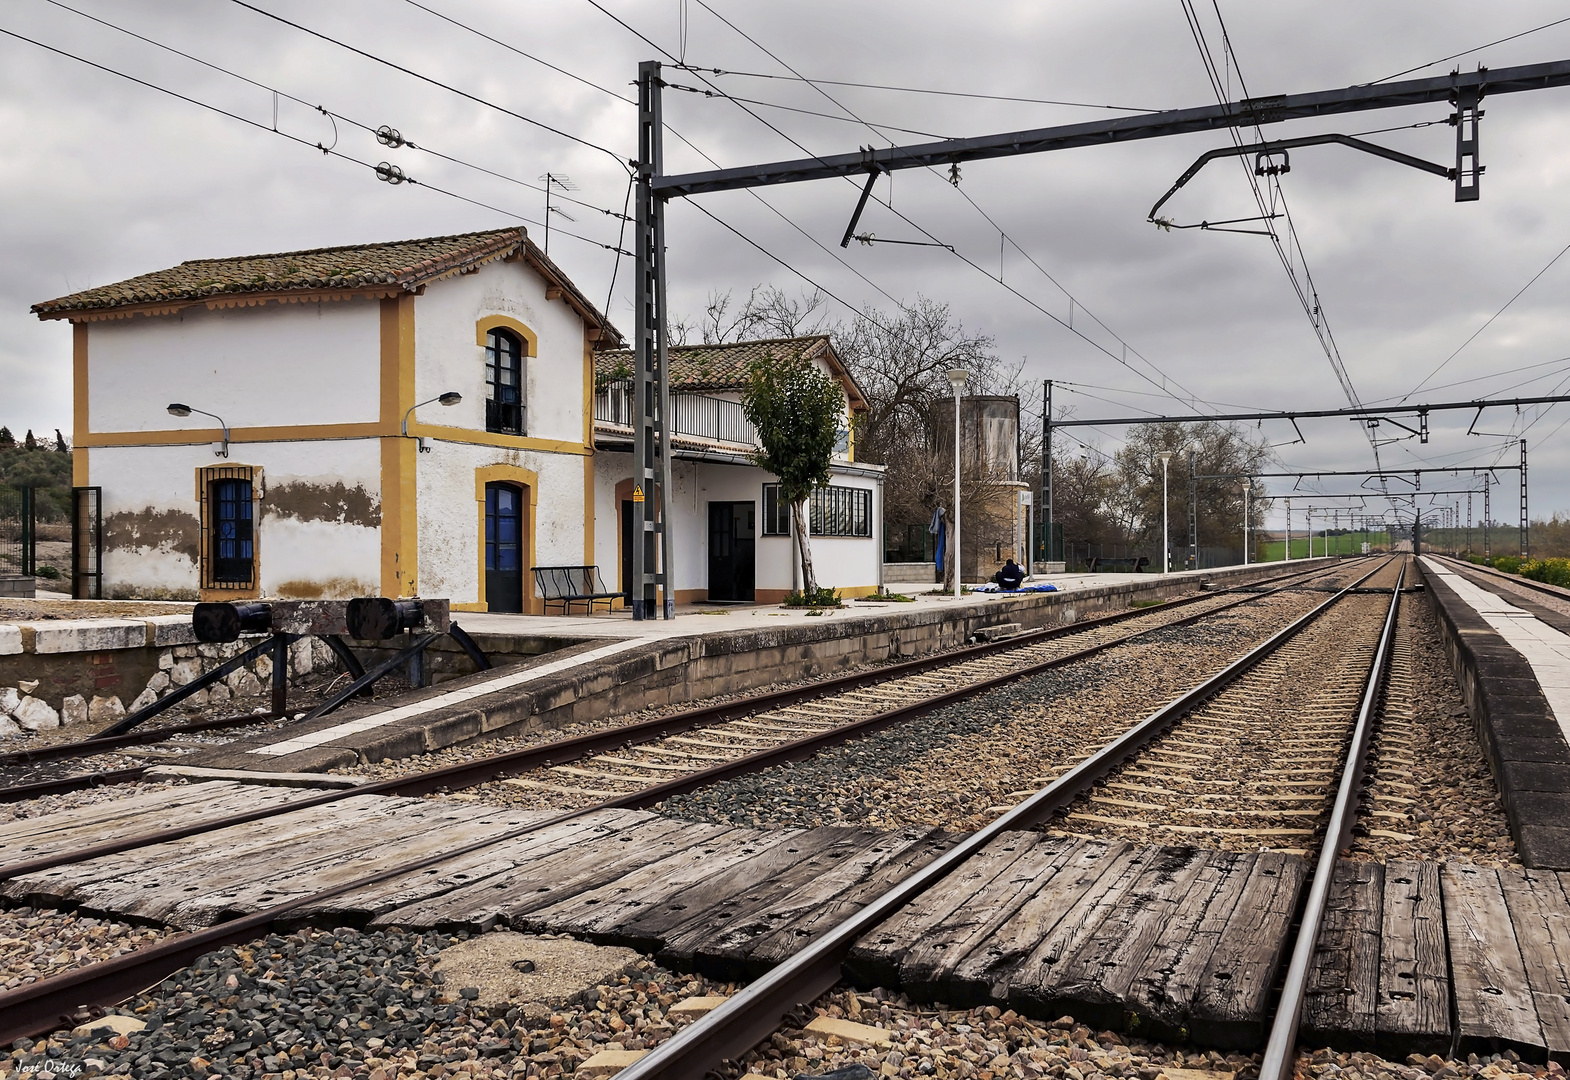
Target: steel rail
(755, 1013)
(479, 771)
(1278, 1063)
(39, 1006)
(89, 747)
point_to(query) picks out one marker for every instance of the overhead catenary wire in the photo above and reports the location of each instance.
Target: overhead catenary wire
(1488, 322)
(318, 108)
(618, 158)
(1068, 325)
(327, 150)
(797, 77)
(1468, 52)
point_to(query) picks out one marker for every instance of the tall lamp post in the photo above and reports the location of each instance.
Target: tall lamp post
(1247, 488)
(957, 377)
(1166, 545)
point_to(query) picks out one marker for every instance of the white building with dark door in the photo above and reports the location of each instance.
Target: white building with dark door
(416, 417)
(730, 531)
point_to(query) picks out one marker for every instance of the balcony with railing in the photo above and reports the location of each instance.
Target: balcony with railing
(698, 416)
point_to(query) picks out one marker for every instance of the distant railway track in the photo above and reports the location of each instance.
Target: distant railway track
(36, 1007)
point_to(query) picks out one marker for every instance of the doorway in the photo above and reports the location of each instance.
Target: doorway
(732, 540)
(504, 547)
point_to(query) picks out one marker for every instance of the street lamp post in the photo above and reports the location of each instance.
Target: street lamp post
(1247, 488)
(957, 377)
(1166, 545)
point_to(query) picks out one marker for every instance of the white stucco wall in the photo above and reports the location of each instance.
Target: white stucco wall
(447, 358)
(248, 365)
(450, 520)
(317, 529)
(841, 562)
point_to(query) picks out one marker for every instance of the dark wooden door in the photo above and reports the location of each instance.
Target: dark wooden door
(504, 547)
(732, 543)
(626, 550)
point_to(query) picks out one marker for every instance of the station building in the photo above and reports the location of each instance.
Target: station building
(313, 455)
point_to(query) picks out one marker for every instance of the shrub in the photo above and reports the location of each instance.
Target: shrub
(1548, 571)
(819, 597)
(50, 572)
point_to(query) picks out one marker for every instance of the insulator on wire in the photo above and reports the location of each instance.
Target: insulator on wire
(389, 136)
(391, 174)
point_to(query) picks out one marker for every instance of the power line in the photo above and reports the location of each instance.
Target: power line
(1490, 320)
(1308, 300)
(436, 82)
(1466, 52)
(877, 128)
(400, 141)
(795, 77)
(999, 279)
(379, 169)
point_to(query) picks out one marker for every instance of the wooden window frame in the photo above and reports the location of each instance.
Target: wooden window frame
(206, 478)
(493, 365)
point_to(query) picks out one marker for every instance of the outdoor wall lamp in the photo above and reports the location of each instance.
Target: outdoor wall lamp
(451, 397)
(220, 449)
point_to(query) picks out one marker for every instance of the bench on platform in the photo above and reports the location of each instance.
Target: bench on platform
(1118, 566)
(568, 585)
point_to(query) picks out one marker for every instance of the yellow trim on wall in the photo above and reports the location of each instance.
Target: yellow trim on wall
(78, 404)
(492, 438)
(588, 393)
(400, 517)
(485, 325)
(588, 511)
(197, 436)
(530, 482)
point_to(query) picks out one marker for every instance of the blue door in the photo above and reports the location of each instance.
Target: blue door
(503, 547)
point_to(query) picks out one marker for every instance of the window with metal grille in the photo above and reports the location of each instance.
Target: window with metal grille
(841, 511)
(228, 494)
(505, 410)
(776, 512)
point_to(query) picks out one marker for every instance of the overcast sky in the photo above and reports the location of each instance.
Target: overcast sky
(102, 179)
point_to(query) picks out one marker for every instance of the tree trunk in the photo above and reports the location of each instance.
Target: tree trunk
(950, 556)
(809, 578)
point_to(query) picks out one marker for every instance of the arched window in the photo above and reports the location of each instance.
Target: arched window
(504, 399)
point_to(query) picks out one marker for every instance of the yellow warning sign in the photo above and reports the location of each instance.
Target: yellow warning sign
(637, 494)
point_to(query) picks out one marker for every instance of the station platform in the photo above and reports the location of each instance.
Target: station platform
(1513, 665)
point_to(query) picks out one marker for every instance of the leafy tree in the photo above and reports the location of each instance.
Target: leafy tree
(797, 411)
(61, 446)
(7, 440)
(30, 442)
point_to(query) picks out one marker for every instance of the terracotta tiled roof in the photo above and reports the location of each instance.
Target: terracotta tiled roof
(401, 266)
(700, 368)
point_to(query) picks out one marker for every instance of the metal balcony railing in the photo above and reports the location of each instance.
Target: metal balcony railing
(696, 414)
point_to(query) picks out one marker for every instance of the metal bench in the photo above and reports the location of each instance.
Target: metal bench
(568, 585)
(1118, 566)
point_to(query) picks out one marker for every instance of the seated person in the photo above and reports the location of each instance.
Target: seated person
(1010, 577)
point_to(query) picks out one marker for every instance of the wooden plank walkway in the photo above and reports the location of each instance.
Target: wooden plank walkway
(1175, 942)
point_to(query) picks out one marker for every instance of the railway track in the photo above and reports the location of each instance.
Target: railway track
(790, 715)
(38, 1006)
(754, 1014)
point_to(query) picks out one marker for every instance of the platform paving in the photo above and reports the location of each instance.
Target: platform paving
(1172, 942)
(1513, 668)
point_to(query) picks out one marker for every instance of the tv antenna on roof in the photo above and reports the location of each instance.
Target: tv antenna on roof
(555, 180)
